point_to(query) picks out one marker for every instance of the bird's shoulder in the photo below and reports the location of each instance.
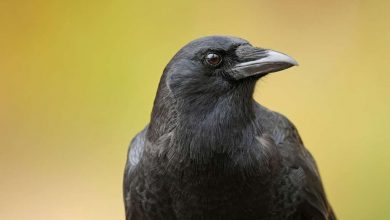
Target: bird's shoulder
(278, 126)
(134, 154)
(299, 179)
(136, 149)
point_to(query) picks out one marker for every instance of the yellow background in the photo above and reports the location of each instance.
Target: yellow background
(78, 78)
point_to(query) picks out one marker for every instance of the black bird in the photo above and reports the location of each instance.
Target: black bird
(211, 152)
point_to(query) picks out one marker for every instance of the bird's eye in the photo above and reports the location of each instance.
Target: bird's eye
(213, 59)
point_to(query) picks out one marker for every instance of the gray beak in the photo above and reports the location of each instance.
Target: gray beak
(259, 62)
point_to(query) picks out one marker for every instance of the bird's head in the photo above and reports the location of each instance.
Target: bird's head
(216, 65)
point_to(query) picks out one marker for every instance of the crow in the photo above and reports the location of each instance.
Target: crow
(212, 152)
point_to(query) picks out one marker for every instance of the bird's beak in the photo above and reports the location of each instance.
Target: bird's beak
(258, 62)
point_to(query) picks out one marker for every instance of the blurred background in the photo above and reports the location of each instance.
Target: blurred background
(78, 79)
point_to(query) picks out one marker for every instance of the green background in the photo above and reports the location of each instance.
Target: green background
(78, 79)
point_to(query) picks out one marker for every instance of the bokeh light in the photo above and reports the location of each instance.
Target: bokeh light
(78, 79)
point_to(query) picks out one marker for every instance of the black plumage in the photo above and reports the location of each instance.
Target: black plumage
(211, 152)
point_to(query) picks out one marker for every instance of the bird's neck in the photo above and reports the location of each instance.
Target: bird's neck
(216, 125)
(217, 117)
(206, 124)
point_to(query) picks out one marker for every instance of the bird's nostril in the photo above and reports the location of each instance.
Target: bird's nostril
(247, 53)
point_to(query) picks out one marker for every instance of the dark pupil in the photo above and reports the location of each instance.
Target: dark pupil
(213, 59)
